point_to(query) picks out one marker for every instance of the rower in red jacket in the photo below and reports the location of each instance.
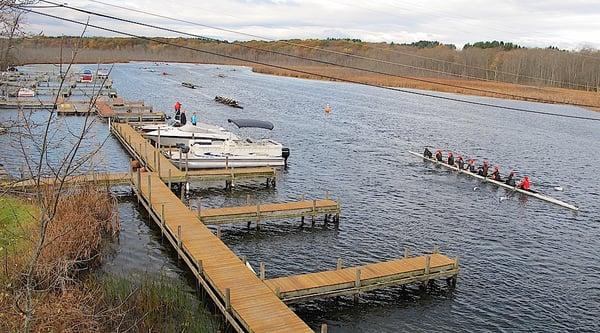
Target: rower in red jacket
(525, 184)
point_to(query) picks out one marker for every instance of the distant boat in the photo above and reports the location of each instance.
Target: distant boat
(188, 85)
(228, 101)
(102, 73)
(87, 76)
(221, 75)
(26, 92)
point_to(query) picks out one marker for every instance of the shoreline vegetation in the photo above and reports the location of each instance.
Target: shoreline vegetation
(481, 69)
(70, 295)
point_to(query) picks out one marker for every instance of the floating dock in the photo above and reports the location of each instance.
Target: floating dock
(260, 212)
(355, 280)
(107, 179)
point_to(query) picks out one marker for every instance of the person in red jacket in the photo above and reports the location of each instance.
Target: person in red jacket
(525, 184)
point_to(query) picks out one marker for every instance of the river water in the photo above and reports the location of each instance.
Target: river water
(526, 265)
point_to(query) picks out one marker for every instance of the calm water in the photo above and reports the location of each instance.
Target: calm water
(526, 265)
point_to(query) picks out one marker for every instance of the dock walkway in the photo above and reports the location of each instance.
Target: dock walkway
(246, 301)
(353, 280)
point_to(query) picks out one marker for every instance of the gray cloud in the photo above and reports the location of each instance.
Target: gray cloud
(567, 24)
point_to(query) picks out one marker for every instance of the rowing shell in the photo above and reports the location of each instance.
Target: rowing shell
(501, 184)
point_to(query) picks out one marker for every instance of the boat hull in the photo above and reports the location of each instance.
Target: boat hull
(501, 184)
(221, 162)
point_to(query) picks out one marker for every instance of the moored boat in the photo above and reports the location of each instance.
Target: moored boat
(498, 183)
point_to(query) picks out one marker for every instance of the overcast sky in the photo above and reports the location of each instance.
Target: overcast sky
(569, 24)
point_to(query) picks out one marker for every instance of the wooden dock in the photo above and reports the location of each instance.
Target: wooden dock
(121, 111)
(245, 301)
(104, 179)
(152, 157)
(259, 212)
(355, 280)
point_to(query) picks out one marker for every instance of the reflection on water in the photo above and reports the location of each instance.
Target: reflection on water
(525, 263)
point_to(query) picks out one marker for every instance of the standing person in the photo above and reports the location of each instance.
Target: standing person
(525, 184)
(438, 155)
(450, 158)
(194, 119)
(177, 110)
(182, 119)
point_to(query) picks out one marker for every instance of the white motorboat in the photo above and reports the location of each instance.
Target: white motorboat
(171, 136)
(233, 152)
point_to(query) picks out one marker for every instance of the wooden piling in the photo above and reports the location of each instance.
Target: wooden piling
(340, 264)
(262, 270)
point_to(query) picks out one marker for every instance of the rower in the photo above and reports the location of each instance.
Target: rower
(525, 184)
(427, 153)
(450, 158)
(510, 180)
(496, 174)
(438, 155)
(483, 170)
(471, 166)
(460, 162)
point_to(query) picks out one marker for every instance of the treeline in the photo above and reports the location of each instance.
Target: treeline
(491, 61)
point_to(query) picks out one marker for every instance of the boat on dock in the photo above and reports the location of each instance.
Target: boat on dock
(534, 194)
(228, 101)
(232, 152)
(171, 136)
(188, 85)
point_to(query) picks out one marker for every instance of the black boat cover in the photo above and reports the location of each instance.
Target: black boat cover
(251, 123)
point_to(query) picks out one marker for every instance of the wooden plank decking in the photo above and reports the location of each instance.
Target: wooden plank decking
(259, 212)
(237, 290)
(108, 179)
(354, 280)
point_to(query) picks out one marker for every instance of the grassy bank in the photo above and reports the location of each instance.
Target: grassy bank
(67, 294)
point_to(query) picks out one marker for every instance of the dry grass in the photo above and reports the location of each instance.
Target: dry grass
(85, 220)
(554, 95)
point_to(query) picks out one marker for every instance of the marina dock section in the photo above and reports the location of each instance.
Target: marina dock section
(355, 280)
(259, 212)
(246, 302)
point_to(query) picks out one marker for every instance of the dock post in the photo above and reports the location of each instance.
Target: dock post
(262, 270)
(179, 161)
(158, 139)
(314, 211)
(340, 264)
(257, 215)
(278, 292)
(427, 264)
(324, 328)
(406, 252)
(247, 199)
(219, 231)
(228, 299)
(162, 214)
(154, 160)
(149, 191)
(179, 242)
(200, 269)
(169, 180)
(186, 164)
(146, 152)
(199, 208)
(357, 285)
(226, 162)
(357, 281)
(436, 249)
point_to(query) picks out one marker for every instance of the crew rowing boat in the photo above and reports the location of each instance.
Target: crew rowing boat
(501, 184)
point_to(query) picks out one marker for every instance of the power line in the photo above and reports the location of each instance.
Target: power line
(514, 96)
(418, 93)
(487, 70)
